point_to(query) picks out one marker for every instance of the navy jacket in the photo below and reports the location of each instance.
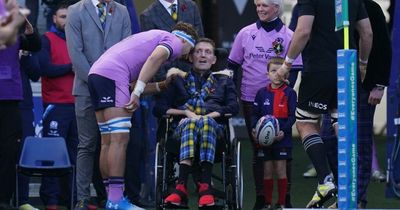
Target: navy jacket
(222, 99)
(281, 103)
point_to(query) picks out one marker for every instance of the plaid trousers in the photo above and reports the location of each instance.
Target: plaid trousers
(365, 134)
(202, 132)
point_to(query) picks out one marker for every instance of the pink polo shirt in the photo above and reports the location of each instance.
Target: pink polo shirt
(252, 49)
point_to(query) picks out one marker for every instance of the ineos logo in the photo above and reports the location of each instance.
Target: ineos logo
(318, 105)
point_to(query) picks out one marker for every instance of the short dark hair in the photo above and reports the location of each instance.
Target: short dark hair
(207, 40)
(275, 60)
(187, 28)
(62, 5)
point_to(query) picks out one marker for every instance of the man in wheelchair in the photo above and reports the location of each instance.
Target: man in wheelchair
(198, 101)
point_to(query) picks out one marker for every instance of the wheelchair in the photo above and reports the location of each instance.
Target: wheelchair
(227, 184)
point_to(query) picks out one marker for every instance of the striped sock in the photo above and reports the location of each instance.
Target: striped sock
(316, 152)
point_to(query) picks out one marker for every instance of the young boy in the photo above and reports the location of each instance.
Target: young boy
(279, 100)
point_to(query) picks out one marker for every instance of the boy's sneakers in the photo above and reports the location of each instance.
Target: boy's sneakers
(378, 176)
(279, 207)
(267, 207)
(178, 197)
(260, 203)
(324, 192)
(206, 196)
(27, 206)
(123, 204)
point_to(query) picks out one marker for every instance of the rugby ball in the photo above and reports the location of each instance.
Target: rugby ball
(267, 128)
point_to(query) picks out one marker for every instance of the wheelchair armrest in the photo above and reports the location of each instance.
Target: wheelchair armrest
(228, 115)
(166, 116)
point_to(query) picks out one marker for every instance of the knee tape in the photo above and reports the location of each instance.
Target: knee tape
(305, 116)
(104, 128)
(119, 125)
(334, 118)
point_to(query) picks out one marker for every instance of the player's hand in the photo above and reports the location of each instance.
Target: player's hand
(375, 96)
(133, 104)
(283, 73)
(176, 71)
(28, 27)
(10, 25)
(279, 136)
(363, 70)
(11, 4)
(16, 15)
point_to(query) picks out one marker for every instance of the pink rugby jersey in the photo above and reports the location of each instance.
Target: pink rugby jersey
(123, 61)
(252, 49)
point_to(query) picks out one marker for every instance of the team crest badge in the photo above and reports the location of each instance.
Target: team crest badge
(277, 46)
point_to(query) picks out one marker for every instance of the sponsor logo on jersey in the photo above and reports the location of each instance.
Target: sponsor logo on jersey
(318, 105)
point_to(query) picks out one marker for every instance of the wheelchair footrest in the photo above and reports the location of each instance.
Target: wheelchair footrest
(214, 207)
(218, 193)
(173, 206)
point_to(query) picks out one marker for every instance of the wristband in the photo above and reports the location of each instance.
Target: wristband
(365, 62)
(289, 60)
(139, 88)
(380, 87)
(158, 87)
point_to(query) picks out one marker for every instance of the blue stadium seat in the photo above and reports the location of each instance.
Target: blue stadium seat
(45, 157)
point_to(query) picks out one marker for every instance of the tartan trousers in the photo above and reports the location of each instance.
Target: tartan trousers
(202, 132)
(365, 135)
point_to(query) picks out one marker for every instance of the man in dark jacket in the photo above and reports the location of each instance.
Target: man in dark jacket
(316, 39)
(59, 118)
(370, 93)
(198, 100)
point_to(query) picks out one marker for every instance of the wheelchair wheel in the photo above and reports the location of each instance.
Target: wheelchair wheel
(238, 177)
(158, 177)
